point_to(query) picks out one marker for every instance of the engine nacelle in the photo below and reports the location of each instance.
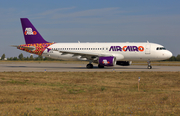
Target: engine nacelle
(107, 61)
(124, 63)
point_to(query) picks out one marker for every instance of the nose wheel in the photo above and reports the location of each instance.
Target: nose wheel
(149, 65)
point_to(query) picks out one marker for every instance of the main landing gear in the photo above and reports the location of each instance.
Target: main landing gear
(89, 65)
(149, 65)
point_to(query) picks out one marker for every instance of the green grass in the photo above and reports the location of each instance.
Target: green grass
(89, 93)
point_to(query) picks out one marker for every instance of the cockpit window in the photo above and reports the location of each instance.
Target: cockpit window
(160, 48)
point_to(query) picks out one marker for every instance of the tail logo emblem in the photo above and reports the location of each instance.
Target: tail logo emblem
(29, 31)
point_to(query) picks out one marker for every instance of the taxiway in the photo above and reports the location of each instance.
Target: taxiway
(70, 67)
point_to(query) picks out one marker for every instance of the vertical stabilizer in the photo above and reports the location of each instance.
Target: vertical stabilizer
(31, 35)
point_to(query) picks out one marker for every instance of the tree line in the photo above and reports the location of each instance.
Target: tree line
(41, 58)
(174, 58)
(31, 58)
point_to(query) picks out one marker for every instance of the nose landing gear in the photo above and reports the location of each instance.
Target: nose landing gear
(149, 65)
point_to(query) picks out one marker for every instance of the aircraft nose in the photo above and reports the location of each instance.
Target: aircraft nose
(169, 54)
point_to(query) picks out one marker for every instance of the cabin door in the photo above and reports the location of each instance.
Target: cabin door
(148, 49)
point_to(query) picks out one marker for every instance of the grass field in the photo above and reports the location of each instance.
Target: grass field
(89, 93)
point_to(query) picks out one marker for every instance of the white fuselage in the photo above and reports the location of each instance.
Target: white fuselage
(122, 51)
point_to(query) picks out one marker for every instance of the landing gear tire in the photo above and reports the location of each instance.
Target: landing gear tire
(100, 66)
(89, 66)
(149, 67)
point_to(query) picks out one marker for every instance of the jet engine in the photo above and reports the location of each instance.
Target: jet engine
(107, 61)
(124, 63)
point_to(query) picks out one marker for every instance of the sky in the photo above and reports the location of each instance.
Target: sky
(156, 21)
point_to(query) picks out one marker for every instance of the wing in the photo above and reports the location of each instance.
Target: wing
(89, 55)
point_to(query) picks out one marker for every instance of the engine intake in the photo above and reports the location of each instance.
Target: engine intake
(107, 61)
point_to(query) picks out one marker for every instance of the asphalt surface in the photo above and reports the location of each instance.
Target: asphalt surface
(70, 67)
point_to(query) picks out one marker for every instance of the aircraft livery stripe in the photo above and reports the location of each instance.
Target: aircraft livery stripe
(40, 47)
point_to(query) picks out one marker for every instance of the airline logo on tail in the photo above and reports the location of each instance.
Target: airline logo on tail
(29, 31)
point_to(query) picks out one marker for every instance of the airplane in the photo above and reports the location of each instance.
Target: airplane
(103, 54)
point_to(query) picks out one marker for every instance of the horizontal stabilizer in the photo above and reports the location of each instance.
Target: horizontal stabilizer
(14, 46)
(32, 48)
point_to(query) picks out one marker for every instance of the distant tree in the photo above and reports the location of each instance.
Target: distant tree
(173, 58)
(11, 58)
(31, 57)
(39, 58)
(178, 57)
(27, 58)
(3, 56)
(15, 58)
(45, 58)
(21, 57)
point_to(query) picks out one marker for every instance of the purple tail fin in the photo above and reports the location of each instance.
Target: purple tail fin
(30, 33)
